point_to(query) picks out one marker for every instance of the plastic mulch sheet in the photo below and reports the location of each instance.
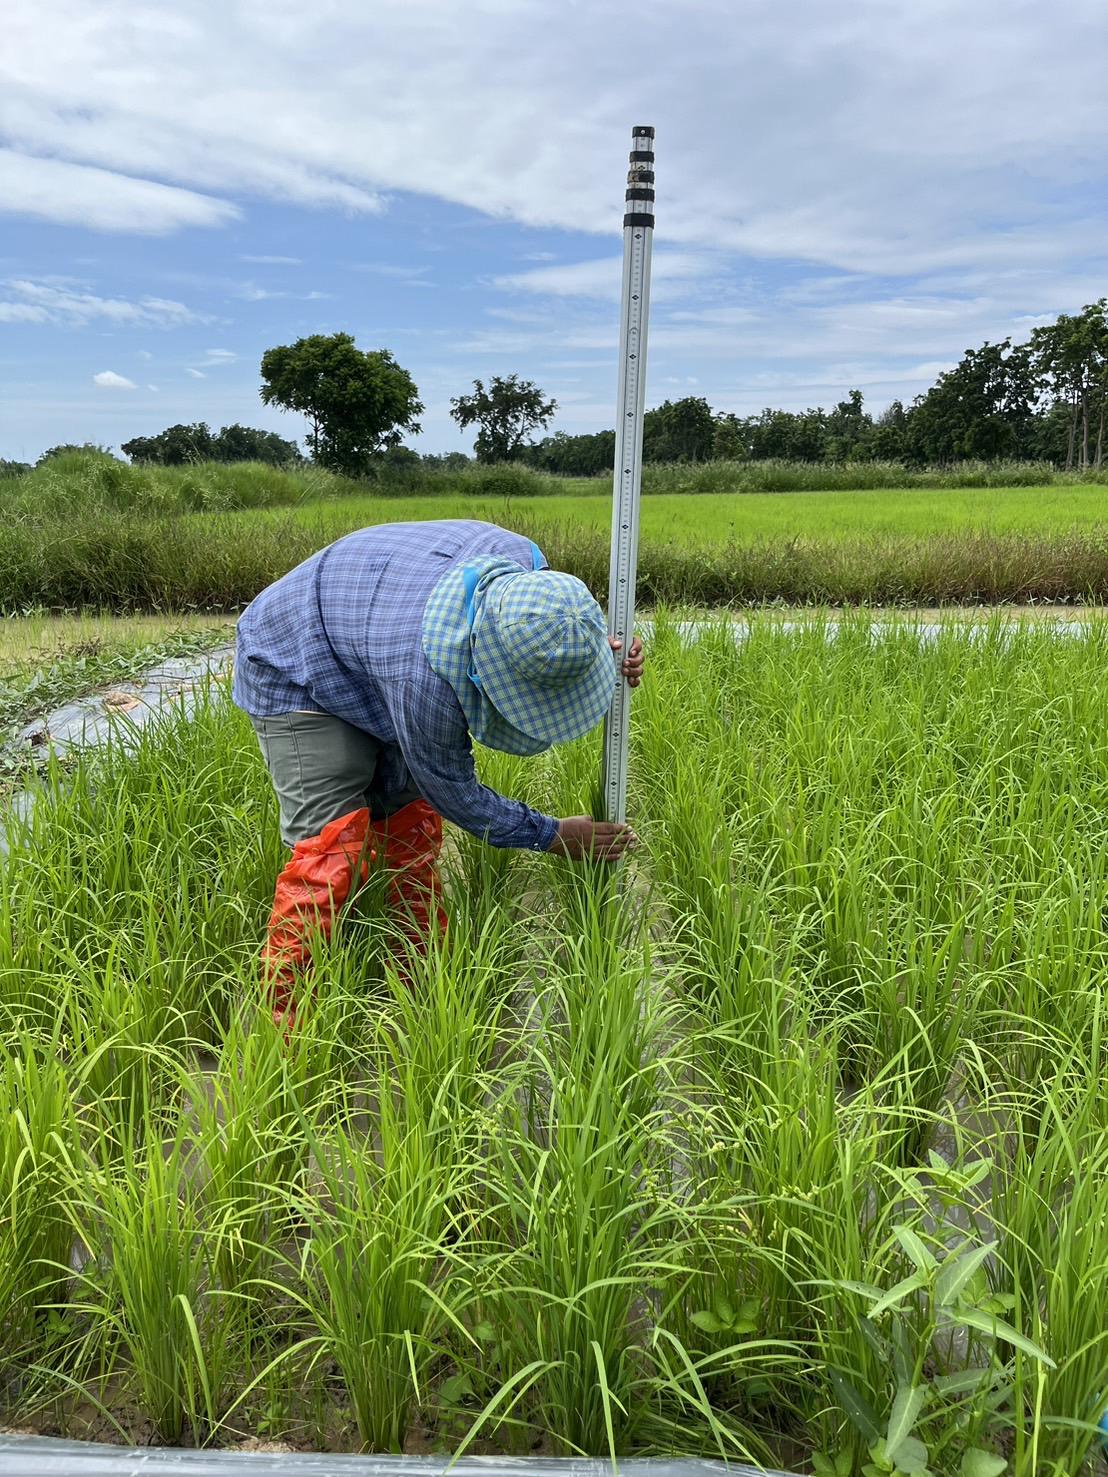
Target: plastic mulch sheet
(44, 1456)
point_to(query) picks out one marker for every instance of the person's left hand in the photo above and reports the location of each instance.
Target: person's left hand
(633, 662)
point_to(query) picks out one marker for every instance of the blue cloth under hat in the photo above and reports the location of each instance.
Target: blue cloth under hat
(526, 654)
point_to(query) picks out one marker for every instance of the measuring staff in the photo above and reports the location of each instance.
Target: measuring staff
(638, 235)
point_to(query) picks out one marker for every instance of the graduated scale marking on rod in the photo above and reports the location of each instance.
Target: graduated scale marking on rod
(638, 230)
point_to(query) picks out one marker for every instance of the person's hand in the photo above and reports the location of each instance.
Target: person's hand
(633, 663)
(580, 839)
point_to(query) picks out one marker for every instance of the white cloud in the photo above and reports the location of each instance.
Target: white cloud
(220, 356)
(154, 388)
(601, 277)
(250, 292)
(886, 134)
(145, 354)
(390, 269)
(272, 261)
(404, 276)
(75, 195)
(197, 374)
(107, 379)
(23, 300)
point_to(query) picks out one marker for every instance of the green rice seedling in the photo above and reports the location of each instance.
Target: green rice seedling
(247, 1118)
(145, 1291)
(442, 1025)
(149, 861)
(608, 1167)
(375, 1276)
(579, 1176)
(482, 878)
(127, 1032)
(37, 1128)
(1048, 1205)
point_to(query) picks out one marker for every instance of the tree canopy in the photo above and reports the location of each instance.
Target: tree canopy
(178, 445)
(1044, 399)
(678, 431)
(359, 403)
(1070, 357)
(507, 413)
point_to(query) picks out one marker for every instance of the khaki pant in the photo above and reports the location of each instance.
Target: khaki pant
(323, 768)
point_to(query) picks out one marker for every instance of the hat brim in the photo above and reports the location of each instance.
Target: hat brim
(551, 715)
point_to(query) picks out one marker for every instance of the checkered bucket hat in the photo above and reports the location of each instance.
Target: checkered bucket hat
(526, 653)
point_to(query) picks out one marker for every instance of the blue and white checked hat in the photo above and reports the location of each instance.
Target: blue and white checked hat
(526, 653)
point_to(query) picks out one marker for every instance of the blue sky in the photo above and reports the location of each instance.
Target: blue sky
(847, 196)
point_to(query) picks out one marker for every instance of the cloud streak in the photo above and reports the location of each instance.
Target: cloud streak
(23, 300)
(76, 195)
(107, 379)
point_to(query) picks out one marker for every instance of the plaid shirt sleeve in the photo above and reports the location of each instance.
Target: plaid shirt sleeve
(432, 735)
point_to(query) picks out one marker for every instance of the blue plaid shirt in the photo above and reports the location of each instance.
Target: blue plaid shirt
(342, 633)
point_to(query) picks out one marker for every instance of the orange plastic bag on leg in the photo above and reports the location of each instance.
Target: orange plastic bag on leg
(310, 891)
(412, 841)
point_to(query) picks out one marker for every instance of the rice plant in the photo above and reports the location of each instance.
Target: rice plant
(786, 1144)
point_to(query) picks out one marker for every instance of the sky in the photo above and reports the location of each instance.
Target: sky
(848, 195)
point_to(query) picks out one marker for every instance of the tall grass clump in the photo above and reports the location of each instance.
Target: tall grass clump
(791, 476)
(88, 484)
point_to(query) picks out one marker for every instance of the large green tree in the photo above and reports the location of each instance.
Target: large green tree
(176, 446)
(679, 431)
(1071, 359)
(65, 448)
(983, 407)
(507, 413)
(575, 456)
(848, 429)
(888, 440)
(359, 403)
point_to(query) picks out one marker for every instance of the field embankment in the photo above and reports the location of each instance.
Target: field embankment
(95, 482)
(98, 534)
(49, 660)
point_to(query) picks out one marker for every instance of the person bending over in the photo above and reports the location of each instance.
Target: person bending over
(368, 671)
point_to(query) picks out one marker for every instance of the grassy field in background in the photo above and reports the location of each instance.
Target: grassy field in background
(38, 638)
(220, 561)
(92, 483)
(91, 532)
(754, 517)
(808, 1155)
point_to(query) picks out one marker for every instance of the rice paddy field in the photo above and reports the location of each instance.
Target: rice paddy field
(788, 1145)
(87, 531)
(752, 517)
(47, 660)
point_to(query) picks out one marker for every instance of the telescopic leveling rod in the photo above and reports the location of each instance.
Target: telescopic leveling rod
(638, 234)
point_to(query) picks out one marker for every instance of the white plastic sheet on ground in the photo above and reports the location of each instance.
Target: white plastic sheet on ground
(44, 1456)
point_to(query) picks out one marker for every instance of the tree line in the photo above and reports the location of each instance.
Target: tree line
(1044, 399)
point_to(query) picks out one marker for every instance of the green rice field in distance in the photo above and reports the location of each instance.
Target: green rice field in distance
(752, 517)
(87, 532)
(793, 1151)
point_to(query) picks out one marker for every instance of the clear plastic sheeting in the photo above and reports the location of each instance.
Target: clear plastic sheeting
(43, 1456)
(92, 719)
